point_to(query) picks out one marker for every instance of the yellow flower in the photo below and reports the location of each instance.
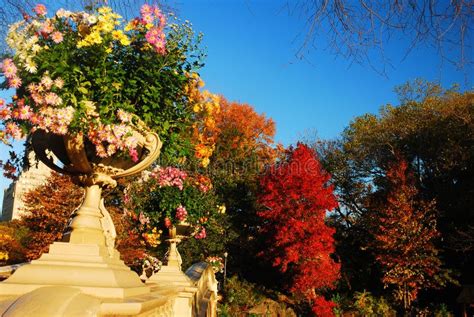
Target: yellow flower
(205, 162)
(104, 10)
(3, 256)
(130, 26)
(120, 36)
(197, 108)
(125, 41)
(105, 26)
(221, 209)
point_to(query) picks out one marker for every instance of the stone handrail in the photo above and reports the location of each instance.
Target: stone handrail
(204, 279)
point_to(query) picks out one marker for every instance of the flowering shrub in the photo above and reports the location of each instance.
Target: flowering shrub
(95, 74)
(167, 196)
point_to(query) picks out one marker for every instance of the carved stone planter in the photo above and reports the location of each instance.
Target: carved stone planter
(87, 258)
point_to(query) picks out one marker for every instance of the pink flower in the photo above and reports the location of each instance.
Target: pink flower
(52, 99)
(147, 19)
(201, 234)
(57, 37)
(14, 82)
(8, 68)
(13, 130)
(181, 213)
(5, 113)
(157, 39)
(35, 119)
(47, 82)
(160, 16)
(24, 113)
(133, 154)
(40, 9)
(170, 176)
(47, 28)
(146, 9)
(124, 116)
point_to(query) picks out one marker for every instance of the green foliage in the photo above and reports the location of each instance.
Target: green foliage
(368, 305)
(219, 233)
(239, 296)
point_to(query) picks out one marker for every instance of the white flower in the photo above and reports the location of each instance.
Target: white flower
(91, 19)
(35, 48)
(61, 13)
(30, 66)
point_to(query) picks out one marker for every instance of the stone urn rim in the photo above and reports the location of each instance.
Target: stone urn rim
(77, 160)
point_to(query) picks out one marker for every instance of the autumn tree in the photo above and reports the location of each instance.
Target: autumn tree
(245, 145)
(433, 129)
(404, 229)
(47, 211)
(244, 140)
(294, 199)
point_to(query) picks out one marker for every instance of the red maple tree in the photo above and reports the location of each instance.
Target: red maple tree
(295, 197)
(405, 232)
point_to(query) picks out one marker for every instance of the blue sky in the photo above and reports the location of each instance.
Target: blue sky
(252, 45)
(252, 49)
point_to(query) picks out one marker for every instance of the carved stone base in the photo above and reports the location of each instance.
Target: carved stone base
(88, 267)
(170, 275)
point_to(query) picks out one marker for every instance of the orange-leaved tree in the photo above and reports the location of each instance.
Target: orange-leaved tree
(48, 209)
(243, 133)
(46, 213)
(405, 233)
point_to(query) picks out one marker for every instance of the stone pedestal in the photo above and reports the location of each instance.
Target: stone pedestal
(88, 267)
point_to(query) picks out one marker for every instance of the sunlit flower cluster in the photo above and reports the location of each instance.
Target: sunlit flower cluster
(153, 21)
(169, 176)
(152, 238)
(203, 183)
(110, 138)
(10, 71)
(216, 263)
(201, 233)
(55, 103)
(181, 213)
(205, 106)
(96, 27)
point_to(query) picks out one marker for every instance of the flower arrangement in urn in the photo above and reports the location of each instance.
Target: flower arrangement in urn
(216, 263)
(96, 75)
(169, 196)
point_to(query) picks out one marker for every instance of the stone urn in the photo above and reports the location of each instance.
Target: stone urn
(77, 158)
(171, 272)
(86, 258)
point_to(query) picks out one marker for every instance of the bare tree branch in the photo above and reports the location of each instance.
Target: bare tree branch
(358, 30)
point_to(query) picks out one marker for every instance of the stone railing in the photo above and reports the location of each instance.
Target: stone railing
(205, 298)
(166, 299)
